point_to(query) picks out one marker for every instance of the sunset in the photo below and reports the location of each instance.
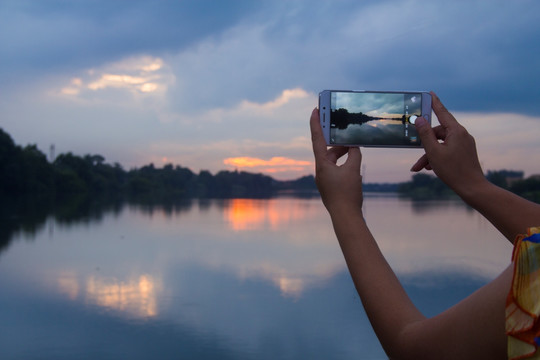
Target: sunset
(274, 165)
(244, 87)
(165, 191)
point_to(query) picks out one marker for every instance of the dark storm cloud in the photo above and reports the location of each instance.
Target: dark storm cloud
(477, 55)
(39, 36)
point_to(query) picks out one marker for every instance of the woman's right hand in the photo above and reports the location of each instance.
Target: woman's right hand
(454, 160)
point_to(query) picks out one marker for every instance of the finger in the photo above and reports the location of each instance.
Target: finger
(334, 153)
(426, 133)
(440, 132)
(317, 137)
(354, 159)
(445, 117)
(420, 164)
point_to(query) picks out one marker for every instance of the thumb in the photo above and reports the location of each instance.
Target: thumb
(426, 133)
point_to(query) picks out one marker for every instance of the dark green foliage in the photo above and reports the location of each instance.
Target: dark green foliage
(528, 188)
(10, 169)
(35, 169)
(23, 169)
(381, 187)
(501, 177)
(168, 181)
(302, 187)
(425, 186)
(234, 184)
(27, 172)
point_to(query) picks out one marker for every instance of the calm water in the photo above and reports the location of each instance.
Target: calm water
(218, 279)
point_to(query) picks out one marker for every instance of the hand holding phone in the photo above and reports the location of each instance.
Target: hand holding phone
(373, 118)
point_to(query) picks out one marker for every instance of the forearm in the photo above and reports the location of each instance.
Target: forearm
(386, 303)
(508, 212)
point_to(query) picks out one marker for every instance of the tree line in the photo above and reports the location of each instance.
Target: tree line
(426, 186)
(26, 170)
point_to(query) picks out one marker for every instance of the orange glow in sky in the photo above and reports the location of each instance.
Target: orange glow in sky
(245, 161)
(251, 214)
(274, 165)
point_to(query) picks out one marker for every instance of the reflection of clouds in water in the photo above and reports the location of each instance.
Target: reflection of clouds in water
(136, 296)
(292, 283)
(240, 277)
(286, 242)
(270, 240)
(429, 242)
(68, 284)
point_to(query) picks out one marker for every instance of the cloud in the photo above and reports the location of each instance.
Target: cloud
(276, 130)
(197, 82)
(222, 54)
(274, 165)
(39, 37)
(284, 98)
(364, 46)
(142, 74)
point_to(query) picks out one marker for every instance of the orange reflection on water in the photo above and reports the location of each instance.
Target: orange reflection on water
(252, 214)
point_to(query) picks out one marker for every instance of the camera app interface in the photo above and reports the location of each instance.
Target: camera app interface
(374, 118)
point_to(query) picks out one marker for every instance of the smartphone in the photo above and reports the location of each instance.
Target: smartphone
(373, 118)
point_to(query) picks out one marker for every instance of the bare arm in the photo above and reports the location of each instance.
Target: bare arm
(508, 212)
(455, 161)
(472, 329)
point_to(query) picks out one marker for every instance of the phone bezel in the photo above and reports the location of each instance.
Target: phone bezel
(325, 111)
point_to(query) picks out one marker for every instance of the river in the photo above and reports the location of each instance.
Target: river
(218, 279)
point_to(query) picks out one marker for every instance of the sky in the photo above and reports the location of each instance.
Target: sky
(377, 104)
(226, 85)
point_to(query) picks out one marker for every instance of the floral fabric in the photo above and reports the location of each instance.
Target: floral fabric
(523, 301)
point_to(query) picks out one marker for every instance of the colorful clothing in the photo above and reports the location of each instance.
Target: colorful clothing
(523, 302)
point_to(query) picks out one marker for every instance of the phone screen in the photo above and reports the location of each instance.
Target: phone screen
(374, 118)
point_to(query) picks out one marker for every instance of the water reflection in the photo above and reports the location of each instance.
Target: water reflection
(247, 278)
(27, 216)
(244, 214)
(68, 284)
(290, 287)
(256, 214)
(436, 237)
(136, 297)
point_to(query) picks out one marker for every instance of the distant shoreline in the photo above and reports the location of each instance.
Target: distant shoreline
(27, 171)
